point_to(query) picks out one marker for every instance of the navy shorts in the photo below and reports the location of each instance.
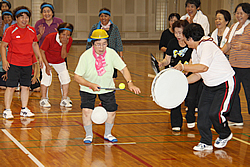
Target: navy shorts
(2, 82)
(107, 99)
(20, 74)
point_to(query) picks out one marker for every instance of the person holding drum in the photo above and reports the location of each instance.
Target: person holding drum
(95, 71)
(210, 64)
(177, 52)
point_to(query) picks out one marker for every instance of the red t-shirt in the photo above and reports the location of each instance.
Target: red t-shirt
(20, 42)
(53, 49)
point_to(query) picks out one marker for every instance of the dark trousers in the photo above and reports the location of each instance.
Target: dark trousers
(191, 101)
(243, 76)
(214, 106)
(176, 117)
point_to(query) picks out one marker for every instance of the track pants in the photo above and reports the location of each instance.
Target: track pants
(214, 106)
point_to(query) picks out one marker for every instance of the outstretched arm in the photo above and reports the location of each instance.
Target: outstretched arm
(126, 74)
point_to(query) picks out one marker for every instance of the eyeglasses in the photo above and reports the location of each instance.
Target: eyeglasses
(101, 45)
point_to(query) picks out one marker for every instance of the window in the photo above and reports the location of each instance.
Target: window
(161, 15)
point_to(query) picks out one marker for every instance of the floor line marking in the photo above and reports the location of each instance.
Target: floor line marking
(122, 149)
(33, 158)
(112, 144)
(235, 138)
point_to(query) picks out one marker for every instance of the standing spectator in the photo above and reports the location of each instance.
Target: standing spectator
(195, 15)
(4, 5)
(22, 41)
(222, 19)
(7, 17)
(48, 24)
(238, 45)
(168, 34)
(114, 41)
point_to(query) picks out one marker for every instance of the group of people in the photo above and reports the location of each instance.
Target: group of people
(215, 64)
(20, 52)
(49, 42)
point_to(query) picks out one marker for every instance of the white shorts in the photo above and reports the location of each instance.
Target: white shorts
(62, 72)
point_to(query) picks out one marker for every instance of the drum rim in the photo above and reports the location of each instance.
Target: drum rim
(154, 83)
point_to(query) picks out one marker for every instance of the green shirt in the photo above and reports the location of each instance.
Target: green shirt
(86, 69)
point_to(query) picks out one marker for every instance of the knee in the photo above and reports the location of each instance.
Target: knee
(64, 77)
(111, 114)
(25, 88)
(86, 112)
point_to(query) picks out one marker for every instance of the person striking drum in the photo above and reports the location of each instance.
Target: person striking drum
(210, 64)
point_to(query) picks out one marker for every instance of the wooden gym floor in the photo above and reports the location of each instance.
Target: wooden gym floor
(55, 136)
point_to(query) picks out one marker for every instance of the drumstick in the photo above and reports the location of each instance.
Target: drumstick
(151, 75)
(154, 64)
(111, 88)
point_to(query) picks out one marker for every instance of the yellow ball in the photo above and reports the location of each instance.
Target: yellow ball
(122, 86)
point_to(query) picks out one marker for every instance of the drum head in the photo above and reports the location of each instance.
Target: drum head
(99, 115)
(169, 88)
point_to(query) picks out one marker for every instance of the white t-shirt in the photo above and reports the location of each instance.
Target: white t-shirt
(219, 68)
(86, 69)
(201, 19)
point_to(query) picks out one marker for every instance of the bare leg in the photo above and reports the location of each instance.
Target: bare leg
(43, 91)
(86, 116)
(65, 89)
(8, 96)
(111, 117)
(25, 95)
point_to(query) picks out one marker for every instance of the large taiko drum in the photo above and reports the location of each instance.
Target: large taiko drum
(169, 88)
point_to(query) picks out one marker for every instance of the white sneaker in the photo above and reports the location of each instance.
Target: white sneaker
(45, 103)
(88, 139)
(65, 103)
(191, 125)
(202, 147)
(7, 114)
(69, 100)
(230, 123)
(176, 129)
(26, 113)
(110, 138)
(220, 143)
